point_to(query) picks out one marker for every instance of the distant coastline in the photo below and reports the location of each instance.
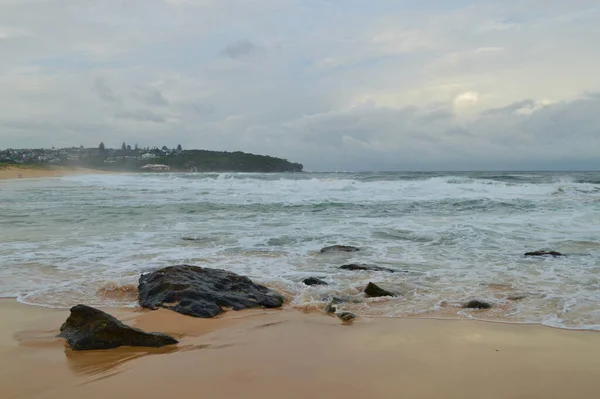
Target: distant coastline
(154, 159)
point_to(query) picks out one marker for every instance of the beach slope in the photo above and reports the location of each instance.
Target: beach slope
(285, 353)
(26, 171)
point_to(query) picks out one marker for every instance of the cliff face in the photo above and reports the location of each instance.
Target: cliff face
(213, 161)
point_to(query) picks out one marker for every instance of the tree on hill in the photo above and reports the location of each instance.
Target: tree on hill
(164, 148)
(101, 147)
(123, 147)
(128, 147)
(136, 147)
(179, 147)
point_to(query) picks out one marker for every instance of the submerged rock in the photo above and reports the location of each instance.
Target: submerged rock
(339, 248)
(314, 281)
(373, 291)
(190, 239)
(89, 328)
(355, 266)
(346, 317)
(477, 305)
(544, 253)
(517, 297)
(336, 300)
(342, 298)
(202, 292)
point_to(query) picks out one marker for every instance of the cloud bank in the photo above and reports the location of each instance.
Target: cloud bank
(336, 85)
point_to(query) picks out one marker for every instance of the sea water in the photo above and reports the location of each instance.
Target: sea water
(452, 237)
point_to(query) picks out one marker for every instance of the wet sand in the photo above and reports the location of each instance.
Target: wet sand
(12, 172)
(289, 354)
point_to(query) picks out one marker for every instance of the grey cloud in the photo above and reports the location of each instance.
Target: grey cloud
(384, 138)
(140, 115)
(103, 91)
(149, 97)
(509, 109)
(241, 49)
(199, 108)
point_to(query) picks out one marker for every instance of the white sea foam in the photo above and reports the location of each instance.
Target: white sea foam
(458, 237)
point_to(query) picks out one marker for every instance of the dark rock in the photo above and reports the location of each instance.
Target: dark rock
(517, 297)
(544, 253)
(373, 291)
(202, 292)
(339, 248)
(346, 317)
(314, 281)
(477, 305)
(89, 328)
(331, 308)
(355, 266)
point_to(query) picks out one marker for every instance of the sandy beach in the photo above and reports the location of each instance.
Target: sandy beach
(12, 172)
(286, 353)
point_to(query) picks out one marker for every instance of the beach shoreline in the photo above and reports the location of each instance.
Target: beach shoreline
(287, 353)
(11, 172)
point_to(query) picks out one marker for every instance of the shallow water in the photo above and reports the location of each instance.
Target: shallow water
(454, 237)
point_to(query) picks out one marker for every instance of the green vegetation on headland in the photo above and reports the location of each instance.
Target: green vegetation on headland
(149, 159)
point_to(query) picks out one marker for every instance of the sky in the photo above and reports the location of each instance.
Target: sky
(333, 84)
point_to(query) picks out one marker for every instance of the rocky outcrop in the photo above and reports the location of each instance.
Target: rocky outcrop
(314, 281)
(202, 292)
(544, 253)
(339, 248)
(374, 291)
(355, 266)
(89, 328)
(477, 305)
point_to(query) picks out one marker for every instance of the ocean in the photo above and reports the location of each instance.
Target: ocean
(451, 237)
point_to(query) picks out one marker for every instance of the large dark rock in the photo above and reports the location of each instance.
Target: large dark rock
(544, 253)
(89, 328)
(339, 248)
(477, 305)
(361, 266)
(373, 291)
(314, 281)
(202, 292)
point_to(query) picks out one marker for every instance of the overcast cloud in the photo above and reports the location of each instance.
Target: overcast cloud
(334, 84)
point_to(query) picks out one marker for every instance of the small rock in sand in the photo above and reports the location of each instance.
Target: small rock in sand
(346, 317)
